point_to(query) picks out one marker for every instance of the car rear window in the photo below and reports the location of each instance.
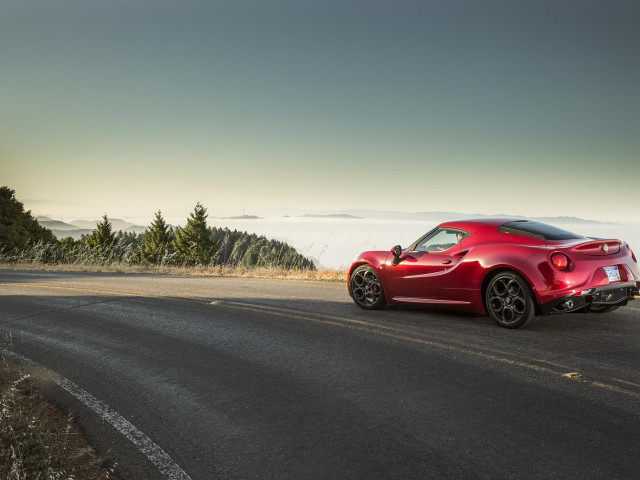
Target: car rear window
(543, 231)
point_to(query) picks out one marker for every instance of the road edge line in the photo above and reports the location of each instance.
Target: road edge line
(154, 453)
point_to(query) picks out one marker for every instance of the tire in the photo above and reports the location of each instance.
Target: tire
(366, 288)
(603, 308)
(510, 301)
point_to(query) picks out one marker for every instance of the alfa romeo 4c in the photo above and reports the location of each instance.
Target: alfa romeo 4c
(512, 269)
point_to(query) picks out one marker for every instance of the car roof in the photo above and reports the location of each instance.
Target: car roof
(478, 224)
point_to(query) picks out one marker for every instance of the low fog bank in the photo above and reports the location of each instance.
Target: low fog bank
(333, 243)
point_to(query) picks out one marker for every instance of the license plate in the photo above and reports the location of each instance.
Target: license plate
(612, 273)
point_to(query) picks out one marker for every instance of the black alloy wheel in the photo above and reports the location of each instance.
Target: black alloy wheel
(366, 288)
(509, 300)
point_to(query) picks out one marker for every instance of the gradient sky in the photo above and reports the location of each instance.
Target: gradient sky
(127, 107)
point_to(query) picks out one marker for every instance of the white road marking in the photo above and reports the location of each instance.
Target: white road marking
(152, 451)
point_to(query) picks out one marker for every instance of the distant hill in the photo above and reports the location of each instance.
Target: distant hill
(75, 234)
(116, 223)
(55, 224)
(62, 229)
(77, 228)
(85, 223)
(573, 220)
(444, 216)
(242, 217)
(330, 215)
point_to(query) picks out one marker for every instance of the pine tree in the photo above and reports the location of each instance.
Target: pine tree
(193, 243)
(102, 237)
(67, 243)
(156, 241)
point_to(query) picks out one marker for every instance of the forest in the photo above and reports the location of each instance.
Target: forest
(24, 240)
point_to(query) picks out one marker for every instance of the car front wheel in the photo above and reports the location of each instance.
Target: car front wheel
(366, 288)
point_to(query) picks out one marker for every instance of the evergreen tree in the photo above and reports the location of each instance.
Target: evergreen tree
(250, 250)
(102, 237)
(156, 241)
(17, 227)
(193, 243)
(67, 243)
(128, 239)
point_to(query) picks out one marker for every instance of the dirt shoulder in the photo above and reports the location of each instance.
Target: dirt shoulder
(37, 440)
(337, 276)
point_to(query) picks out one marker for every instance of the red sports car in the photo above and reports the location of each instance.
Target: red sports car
(512, 269)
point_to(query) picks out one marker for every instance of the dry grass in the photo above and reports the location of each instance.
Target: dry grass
(38, 441)
(216, 271)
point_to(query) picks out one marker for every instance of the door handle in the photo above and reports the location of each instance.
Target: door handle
(446, 261)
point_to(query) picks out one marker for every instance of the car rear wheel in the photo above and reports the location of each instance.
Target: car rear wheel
(366, 288)
(603, 308)
(510, 301)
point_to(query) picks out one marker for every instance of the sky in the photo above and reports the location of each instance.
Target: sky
(127, 107)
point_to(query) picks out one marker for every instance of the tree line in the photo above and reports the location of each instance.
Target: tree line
(195, 244)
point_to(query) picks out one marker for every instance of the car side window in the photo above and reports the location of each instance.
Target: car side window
(440, 240)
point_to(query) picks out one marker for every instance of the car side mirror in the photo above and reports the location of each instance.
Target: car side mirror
(396, 251)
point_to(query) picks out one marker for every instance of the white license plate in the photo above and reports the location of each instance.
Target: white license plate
(612, 273)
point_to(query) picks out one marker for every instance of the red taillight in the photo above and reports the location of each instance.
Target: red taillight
(560, 261)
(631, 253)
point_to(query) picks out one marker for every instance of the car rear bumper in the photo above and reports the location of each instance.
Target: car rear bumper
(616, 294)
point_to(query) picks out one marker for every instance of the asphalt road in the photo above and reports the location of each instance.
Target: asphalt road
(241, 378)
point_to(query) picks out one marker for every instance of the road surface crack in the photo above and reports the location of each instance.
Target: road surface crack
(24, 317)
